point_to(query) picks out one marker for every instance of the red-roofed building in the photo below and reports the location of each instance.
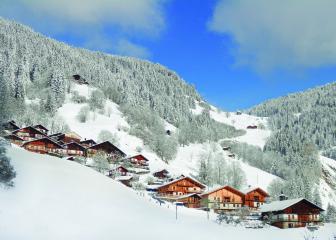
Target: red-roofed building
(29, 133)
(43, 146)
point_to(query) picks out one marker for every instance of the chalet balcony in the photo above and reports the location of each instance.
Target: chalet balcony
(285, 218)
(296, 218)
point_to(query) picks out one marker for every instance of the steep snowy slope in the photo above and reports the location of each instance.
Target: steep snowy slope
(328, 181)
(187, 158)
(256, 137)
(59, 199)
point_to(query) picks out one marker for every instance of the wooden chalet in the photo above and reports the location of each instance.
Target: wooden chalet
(292, 213)
(139, 160)
(71, 137)
(231, 155)
(252, 127)
(254, 197)
(118, 171)
(223, 199)
(43, 146)
(192, 200)
(126, 180)
(29, 133)
(64, 138)
(42, 128)
(162, 174)
(14, 139)
(88, 143)
(106, 147)
(181, 186)
(10, 126)
(74, 149)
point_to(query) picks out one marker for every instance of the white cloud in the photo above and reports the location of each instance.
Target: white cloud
(91, 20)
(279, 34)
(118, 46)
(125, 47)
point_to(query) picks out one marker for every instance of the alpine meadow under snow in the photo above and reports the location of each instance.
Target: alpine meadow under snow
(285, 145)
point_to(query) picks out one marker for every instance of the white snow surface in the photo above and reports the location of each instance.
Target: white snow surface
(256, 137)
(327, 190)
(187, 158)
(58, 199)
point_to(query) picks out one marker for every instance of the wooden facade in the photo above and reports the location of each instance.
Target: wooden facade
(119, 171)
(43, 146)
(74, 149)
(108, 148)
(225, 198)
(14, 139)
(88, 143)
(182, 186)
(41, 128)
(255, 197)
(139, 160)
(192, 200)
(29, 133)
(292, 213)
(161, 174)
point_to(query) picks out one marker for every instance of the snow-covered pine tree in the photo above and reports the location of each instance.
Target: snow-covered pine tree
(7, 173)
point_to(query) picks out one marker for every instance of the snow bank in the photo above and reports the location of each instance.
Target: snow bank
(58, 199)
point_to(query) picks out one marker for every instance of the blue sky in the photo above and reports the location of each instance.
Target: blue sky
(236, 54)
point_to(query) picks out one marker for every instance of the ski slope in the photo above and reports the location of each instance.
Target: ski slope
(58, 199)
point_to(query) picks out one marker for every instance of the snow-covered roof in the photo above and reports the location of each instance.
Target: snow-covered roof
(223, 187)
(281, 205)
(250, 189)
(179, 179)
(43, 139)
(121, 178)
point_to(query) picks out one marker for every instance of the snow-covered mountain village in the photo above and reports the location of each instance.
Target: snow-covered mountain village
(98, 146)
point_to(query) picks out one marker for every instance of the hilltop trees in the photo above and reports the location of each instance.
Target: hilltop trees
(215, 169)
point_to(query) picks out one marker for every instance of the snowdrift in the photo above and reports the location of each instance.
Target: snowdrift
(58, 199)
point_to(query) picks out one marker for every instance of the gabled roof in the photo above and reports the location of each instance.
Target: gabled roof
(282, 205)
(107, 145)
(140, 157)
(13, 136)
(12, 123)
(201, 185)
(31, 128)
(88, 141)
(74, 144)
(227, 187)
(73, 135)
(56, 134)
(250, 189)
(43, 139)
(41, 126)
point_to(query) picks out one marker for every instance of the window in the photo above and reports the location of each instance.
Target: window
(226, 199)
(256, 198)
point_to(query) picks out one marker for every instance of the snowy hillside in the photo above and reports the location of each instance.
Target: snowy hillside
(328, 181)
(187, 158)
(58, 199)
(256, 137)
